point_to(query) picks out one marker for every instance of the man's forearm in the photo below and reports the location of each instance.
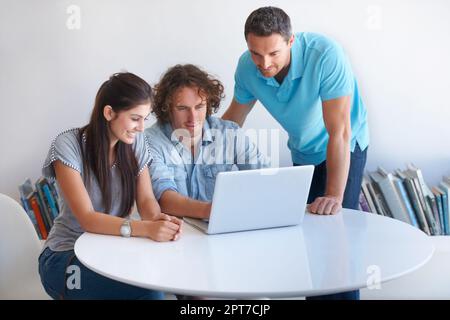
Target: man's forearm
(338, 164)
(173, 203)
(238, 112)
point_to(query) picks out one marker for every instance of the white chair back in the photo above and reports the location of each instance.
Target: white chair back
(19, 252)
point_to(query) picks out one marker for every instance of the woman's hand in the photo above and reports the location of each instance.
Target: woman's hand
(164, 228)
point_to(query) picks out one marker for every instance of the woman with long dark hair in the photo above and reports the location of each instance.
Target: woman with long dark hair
(102, 170)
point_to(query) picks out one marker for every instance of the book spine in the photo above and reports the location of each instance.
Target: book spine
(45, 218)
(379, 199)
(420, 215)
(34, 204)
(367, 195)
(44, 206)
(446, 203)
(445, 210)
(426, 208)
(392, 199)
(431, 199)
(406, 202)
(55, 193)
(50, 199)
(363, 202)
(441, 212)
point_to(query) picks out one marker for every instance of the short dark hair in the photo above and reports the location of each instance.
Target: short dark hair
(188, 75)
(267, 20)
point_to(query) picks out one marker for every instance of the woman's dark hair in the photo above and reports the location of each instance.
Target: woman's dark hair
(181, 76)
(267, 20)
(122, 92)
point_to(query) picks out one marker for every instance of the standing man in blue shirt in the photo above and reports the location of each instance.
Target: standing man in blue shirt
(306, 83)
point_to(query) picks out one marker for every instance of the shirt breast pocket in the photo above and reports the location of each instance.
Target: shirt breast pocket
(180, 179)
(210, 173)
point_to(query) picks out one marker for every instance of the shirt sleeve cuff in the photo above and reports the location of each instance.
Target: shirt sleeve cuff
(335, 95)
(163, 186)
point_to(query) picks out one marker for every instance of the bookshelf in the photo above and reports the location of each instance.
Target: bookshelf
(41, 203)
(404, 195)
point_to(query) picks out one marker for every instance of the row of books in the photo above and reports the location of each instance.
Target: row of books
(41, 203)
(405, 196)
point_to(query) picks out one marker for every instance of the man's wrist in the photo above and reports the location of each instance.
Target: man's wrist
(206, 210)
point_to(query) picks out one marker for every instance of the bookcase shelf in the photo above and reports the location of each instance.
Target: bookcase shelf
(405, 196)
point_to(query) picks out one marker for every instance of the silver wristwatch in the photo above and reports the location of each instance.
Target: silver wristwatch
(125, 229)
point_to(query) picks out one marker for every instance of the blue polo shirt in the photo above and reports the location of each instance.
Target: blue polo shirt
(319, 71)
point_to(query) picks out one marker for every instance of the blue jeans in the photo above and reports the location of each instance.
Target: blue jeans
(351, 200)
(65, 277)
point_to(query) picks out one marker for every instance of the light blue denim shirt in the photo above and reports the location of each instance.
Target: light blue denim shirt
(224, 147)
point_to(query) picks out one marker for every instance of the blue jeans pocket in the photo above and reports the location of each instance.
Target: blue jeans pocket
(52, 270)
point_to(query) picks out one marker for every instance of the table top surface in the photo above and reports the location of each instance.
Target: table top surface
(325, 254)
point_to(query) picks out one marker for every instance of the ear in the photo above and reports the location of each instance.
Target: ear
(108, 113)
(291, 41)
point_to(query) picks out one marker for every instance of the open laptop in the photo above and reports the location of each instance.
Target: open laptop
(257, 199)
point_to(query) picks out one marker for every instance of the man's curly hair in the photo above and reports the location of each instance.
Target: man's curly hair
(180, 76)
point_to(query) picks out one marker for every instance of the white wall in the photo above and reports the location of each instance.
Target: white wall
(49, 74)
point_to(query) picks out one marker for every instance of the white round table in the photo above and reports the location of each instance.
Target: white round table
(326, 254)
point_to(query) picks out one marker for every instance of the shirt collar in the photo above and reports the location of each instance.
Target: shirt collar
(296, 67)
(207, 135)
